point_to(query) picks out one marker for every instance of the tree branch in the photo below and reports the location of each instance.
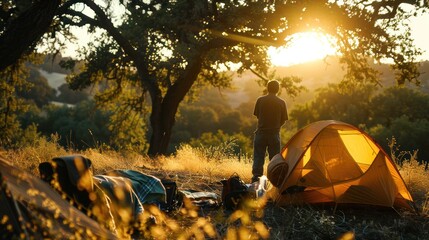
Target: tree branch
(391, 7)
(84, 19)
(67, 5)
(105, 23)
(259, 75)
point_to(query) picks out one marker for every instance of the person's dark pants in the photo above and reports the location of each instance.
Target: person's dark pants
(261, 143)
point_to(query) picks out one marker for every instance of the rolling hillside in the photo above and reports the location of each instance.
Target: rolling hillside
(55, 79)
(314, 75)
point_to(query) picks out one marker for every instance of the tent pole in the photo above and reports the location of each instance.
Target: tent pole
(335, 208)
(396, 211)
(415, 207)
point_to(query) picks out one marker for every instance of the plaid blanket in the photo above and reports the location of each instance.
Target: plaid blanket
(129, 188)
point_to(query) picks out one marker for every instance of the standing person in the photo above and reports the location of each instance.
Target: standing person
(271, 113)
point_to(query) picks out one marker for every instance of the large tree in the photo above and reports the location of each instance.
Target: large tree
(167, 48)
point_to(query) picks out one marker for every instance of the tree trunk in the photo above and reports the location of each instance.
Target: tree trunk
(162, 121)
(24, 31)
(163, 113)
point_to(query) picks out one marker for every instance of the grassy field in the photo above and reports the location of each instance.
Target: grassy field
(259, 219)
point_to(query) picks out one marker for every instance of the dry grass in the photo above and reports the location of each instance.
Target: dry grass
(259, 219)
(416, 178)
(190, 160)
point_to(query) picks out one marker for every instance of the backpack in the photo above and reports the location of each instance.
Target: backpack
(174, 199)
(234, 191)
(71, 175)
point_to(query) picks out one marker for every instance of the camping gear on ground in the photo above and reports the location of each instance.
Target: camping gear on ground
(258, 188)
(262, 186)
(115, 198)
(31, 209)
(174, 199)
(201, 199)
(74, 176)
(335, 162)
(129, 189)
(234, 192)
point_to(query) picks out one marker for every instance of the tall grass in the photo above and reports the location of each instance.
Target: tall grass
(417, 180)
(196, 160)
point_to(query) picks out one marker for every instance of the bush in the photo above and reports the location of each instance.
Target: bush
(221, 145)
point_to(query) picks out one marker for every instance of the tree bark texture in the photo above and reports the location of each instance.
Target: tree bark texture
(163, 113)
(24, 31)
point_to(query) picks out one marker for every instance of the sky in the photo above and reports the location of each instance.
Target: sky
(420, 32)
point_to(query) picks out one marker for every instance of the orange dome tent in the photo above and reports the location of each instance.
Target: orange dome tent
(332, 161)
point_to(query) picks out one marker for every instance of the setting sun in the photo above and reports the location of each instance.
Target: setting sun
(303, 47)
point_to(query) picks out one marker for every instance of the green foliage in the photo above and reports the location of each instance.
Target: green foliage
(26, 137)
(103, 63)
(211, 112)
(38, 89)
(71, 97)
(333, 103)
(288, 130)
(128, 130)
(396, 102)
(290, 84)
(221, 145)
(197, 120)
(12, 79)
(410, 135)
(401, 113)
(78, 127)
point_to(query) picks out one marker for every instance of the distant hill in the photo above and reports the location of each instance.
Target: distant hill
(314, 75)
(55, 80)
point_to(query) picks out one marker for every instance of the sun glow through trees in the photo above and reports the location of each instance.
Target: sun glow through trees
(303, 47)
